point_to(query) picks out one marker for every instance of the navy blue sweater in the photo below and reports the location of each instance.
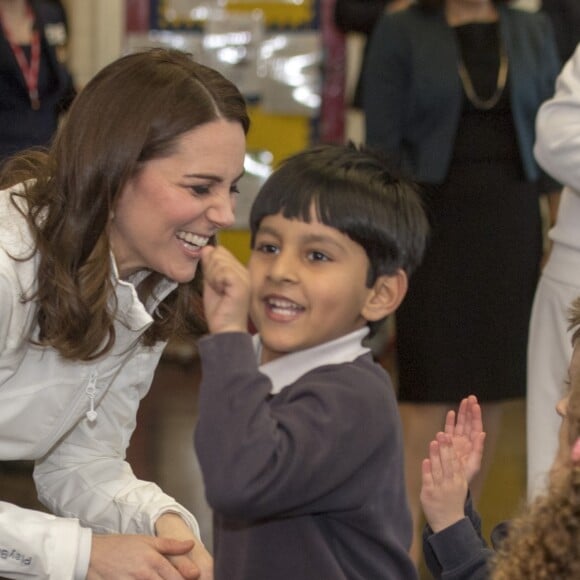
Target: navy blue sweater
(307, 483)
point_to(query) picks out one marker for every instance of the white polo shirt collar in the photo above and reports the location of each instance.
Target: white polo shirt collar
(288, 369)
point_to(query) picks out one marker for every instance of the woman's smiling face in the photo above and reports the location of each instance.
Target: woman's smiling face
(171, 208)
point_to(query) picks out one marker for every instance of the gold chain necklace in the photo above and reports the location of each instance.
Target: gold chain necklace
(474, 98)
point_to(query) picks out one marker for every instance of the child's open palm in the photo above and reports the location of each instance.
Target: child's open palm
(467, 435)
(444, 487)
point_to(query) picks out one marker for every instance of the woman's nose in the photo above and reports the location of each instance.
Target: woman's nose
(221, 210)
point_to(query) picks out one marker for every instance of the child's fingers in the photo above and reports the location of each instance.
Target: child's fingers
(435, 460)
(472, 400)
(206, 252)
(461, 417)
(219, 277)
(426, 475)
(476, 417)
(221, 269)
(447, 455)
(479, 443)
(427, 484)
(450, 422)
(210, 260)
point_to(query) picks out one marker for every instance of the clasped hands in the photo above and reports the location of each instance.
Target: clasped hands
(174, 554)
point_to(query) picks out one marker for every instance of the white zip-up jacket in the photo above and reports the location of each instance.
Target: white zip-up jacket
(557, 149)
(80, 472)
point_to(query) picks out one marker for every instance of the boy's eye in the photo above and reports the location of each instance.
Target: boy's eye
(316, 256)
(266, 248)
(234, 189)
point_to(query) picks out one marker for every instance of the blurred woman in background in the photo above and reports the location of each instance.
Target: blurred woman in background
(451, 92)
(35, 84)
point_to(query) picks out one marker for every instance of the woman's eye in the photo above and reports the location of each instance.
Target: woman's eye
(234, 189)
(200, 189)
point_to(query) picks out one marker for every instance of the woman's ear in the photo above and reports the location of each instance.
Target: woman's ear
(385, 296)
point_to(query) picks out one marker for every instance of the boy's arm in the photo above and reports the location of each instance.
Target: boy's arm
(262, 456)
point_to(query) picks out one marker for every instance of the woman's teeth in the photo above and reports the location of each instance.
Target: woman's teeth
(193, 239)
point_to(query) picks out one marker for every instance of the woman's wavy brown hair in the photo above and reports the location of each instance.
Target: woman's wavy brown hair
(544, 542)
(131, 112)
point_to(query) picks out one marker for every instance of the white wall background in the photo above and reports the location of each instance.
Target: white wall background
(96, 35)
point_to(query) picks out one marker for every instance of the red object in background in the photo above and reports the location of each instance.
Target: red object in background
(137, 15)
(332, 115)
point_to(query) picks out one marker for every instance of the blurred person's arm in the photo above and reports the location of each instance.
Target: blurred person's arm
(557, 147)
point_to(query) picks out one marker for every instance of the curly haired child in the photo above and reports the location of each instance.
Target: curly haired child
(543, 542)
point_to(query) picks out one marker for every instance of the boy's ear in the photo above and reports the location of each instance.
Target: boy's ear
(385, 296)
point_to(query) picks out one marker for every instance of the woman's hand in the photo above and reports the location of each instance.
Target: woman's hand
(136, 557)
(172, 526)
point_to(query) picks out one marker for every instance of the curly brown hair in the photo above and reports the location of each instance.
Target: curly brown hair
(134, 110)
(434, 4)
(544, 541)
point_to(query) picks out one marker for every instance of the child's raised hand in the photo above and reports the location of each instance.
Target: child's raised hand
(467, 435)
(226, 290)
(444, 487)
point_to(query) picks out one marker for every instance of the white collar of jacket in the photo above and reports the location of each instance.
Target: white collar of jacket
(130, 311)
(287, 369)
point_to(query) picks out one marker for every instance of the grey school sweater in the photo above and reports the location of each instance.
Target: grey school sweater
(306, 484)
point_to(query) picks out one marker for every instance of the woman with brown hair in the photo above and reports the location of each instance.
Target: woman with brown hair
(452, 91)
(101, 239)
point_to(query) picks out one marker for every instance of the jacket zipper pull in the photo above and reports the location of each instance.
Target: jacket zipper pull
(91, 391)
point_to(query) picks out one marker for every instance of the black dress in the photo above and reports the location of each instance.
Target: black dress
(463, 326)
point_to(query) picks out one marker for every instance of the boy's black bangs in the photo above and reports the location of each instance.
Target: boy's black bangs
(289, 193)
(292, 193)
(338, 206)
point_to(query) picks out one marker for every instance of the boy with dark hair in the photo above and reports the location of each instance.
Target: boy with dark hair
(299, 438)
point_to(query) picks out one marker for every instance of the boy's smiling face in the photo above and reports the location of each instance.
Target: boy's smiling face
(308, 285)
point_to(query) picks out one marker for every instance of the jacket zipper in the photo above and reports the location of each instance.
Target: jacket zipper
(91, 392)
